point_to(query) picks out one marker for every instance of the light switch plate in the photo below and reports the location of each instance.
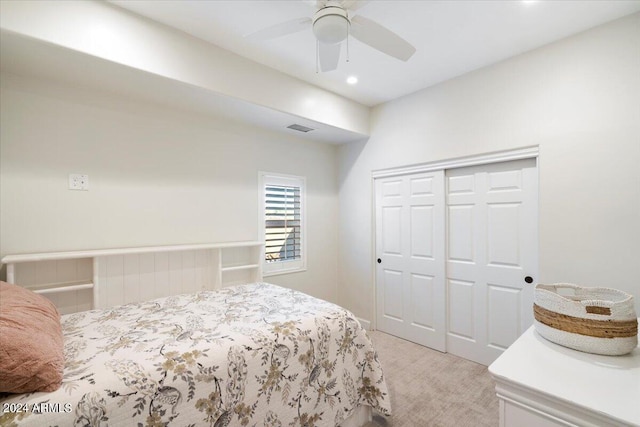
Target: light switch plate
(78, 182)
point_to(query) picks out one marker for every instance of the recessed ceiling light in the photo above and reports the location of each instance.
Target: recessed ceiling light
(352, 80)
(529, 2)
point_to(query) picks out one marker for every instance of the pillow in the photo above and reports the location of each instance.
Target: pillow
(31, 344)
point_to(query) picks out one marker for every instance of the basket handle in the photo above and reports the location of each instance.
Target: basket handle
(554, 288)
(601, 307)
(565, 286)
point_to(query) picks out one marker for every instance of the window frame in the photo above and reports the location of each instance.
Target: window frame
(287, 266)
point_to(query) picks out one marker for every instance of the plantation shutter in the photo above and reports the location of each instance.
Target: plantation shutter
(283, 225)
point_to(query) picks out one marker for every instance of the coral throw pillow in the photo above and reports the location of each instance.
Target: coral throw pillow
(31, 344)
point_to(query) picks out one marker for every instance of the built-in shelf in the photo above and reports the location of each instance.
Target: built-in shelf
(50, 256)
(240, 267)
(61, 287)
(120, 276)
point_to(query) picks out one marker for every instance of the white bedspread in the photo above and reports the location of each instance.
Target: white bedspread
(250, 355)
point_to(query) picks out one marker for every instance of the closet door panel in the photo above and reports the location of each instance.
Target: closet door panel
(410, 257)
(492, 242)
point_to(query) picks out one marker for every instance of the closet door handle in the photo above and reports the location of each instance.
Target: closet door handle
(528, 279)
(379, 261)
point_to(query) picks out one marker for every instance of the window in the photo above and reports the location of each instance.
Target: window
(282, 223)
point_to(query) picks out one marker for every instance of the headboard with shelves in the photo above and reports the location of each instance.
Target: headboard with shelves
(82, 280)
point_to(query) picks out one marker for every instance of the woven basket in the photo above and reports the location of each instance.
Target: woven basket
(593, 320)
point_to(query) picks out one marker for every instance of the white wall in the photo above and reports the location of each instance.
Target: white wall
(578, 100)
(157, 176)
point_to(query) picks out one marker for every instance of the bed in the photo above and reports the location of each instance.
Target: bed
(243, 355)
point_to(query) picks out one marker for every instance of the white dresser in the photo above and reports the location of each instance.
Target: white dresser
(541, 384)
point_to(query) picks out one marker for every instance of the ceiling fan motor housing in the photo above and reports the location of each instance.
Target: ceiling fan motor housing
(331, 25)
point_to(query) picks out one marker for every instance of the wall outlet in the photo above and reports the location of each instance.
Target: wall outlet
(78, 182)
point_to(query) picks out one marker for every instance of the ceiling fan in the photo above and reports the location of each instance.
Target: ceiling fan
(332, 23)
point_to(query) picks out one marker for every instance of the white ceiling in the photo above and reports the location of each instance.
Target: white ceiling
(451, 37)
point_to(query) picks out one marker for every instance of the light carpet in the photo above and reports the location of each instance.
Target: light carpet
(429, 388)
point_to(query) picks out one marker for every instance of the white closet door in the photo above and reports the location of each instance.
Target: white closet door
(410, 257)
(492, 253)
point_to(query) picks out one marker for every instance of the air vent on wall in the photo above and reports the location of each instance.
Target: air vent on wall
(300, 128)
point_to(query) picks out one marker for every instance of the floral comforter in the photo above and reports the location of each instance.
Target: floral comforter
(249, 355)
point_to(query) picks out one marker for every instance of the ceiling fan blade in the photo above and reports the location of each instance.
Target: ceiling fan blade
(329, 56)
(352, 5)
(279, 30)
(316, 4)
(380, 38)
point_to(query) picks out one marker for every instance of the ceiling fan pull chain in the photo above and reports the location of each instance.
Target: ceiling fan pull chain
(348, 34)
(317, 56)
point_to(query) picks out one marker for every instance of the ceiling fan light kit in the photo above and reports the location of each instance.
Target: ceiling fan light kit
(331, 25)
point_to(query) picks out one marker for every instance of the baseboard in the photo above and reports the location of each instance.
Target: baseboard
(365, 324)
